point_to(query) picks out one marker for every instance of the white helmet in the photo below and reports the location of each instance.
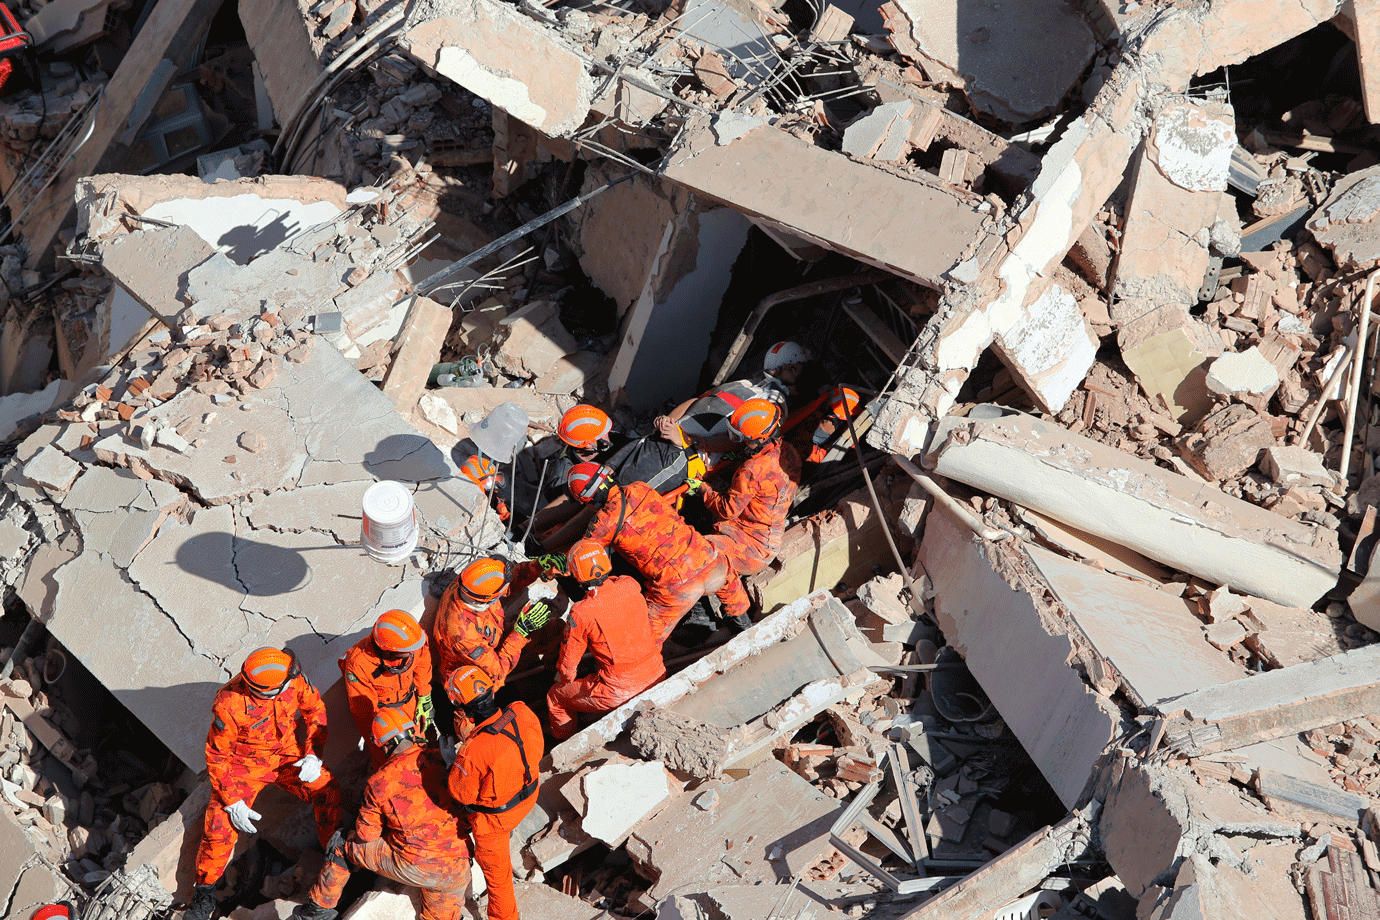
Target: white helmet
(783, 353)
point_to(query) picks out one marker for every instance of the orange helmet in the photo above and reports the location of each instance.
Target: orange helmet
(267, 670)
(467, 684)
(391, 724)
(587, 480)
(483, 580)
(843, 403)
(588, 562)
(583, 427)
(396, 633)
(483, 472)
(756, 420)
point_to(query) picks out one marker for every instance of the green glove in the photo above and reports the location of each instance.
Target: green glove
(426, 713)
(532, 618)
(692, 486)
(552, 562)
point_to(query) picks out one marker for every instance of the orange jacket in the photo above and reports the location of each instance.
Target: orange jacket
(652, 535)
(613, 623)
(754, 510)
(407, 802)
(370, 687)
(489, 771)
(263, 734)
(463, 637)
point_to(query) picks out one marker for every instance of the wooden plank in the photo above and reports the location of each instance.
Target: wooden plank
(889, 342)
(905, 791)
(173, 31)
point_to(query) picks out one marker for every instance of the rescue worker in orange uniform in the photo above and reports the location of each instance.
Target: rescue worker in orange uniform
(586, 433)
(268, 726)
(410, 829)
(494, 778)
(612, 621)
(485, 474)
(388, 669)
(751, 516)
(679, 565)
(470, 627)
(822, 429)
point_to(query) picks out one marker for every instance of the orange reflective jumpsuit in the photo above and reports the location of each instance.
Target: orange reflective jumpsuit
(370, 686)
(255, 742)
(495, 778)
(613, 623)
(679, 565)
(411, 830)
(463, 637)
(752, 513)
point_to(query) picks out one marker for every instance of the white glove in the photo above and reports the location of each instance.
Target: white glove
(309, 769)
(243, 817)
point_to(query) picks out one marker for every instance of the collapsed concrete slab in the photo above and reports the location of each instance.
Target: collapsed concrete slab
(1020, 661)
(1016, 61)
(769, 826)
(1184, 524)
(527, 70)
(743, 162)
(1179, 179)
(1149, 638)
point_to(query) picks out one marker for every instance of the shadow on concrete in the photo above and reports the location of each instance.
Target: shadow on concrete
(258, 569)
(248, 241)
(406, 458)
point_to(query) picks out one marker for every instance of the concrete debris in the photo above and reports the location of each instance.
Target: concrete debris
(619, 796)
(686, 745)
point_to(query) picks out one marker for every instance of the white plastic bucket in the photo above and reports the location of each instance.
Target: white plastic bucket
(389, 531)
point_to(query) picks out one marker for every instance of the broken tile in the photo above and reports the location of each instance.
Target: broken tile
(618, 796)
(52, 469)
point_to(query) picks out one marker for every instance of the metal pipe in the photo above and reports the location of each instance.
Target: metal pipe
(1357, 367)
(964, 513)
(1302, 439)
(434, 281)
(800, 292)
(917, 601)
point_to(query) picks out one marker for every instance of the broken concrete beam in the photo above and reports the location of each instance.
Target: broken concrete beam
(511, 60)
(153, 266)
(1062, 723)
(424, 332)
(1076, 176)
(763, 172)
(726, 844)
(1002, 73)
(1179, 179)
(782, 642)
(881, 133)
(1275, 704)
(1178, 522)
(1327, 800)
(1020, 868)
(1153, 814)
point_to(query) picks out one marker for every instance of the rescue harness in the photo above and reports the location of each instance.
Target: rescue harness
(529, 787)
